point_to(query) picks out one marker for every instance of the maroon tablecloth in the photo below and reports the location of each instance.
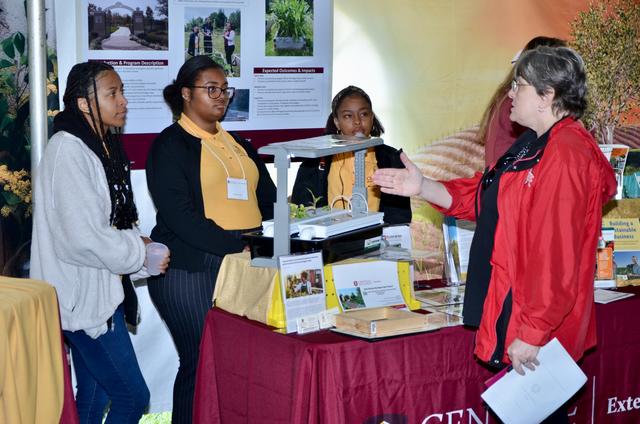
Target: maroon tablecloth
(249, 374)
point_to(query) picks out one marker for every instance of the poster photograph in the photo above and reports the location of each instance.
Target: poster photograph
(214, 33)
(113, 25)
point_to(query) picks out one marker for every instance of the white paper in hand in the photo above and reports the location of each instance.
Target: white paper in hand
(531, 398)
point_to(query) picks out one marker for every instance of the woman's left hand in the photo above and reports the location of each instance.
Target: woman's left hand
(522, 353)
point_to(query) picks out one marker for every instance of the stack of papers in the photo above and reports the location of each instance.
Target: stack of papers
(607, 296)
(441, 297)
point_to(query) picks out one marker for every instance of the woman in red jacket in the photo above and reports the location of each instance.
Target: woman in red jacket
(538, 212)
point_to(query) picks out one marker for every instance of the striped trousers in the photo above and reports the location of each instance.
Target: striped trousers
(183, 299)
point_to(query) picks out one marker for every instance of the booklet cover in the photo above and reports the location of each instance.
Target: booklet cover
(626, 255)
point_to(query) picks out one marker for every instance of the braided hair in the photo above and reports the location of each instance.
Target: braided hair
(104, 142)
(330, 128)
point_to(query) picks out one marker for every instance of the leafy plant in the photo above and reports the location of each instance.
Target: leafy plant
(15, 147)
(293, 18)
(607, 36)
(297, 211)
(314, 199)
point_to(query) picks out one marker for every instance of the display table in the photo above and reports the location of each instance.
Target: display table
(248, 373)
(34, 384)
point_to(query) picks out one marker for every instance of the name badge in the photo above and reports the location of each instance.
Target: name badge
(237, 189)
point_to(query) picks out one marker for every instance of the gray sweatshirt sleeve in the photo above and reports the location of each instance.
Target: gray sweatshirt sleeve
(80, 207)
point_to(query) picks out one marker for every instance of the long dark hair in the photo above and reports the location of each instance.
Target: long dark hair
(104, 142)
(330, 128)
(187, 76)
(501, 92)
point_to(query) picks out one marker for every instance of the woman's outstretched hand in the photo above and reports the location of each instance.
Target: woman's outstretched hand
(403, 182)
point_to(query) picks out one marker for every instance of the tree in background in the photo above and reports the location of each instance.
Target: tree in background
(163, 8)
(220, 19)
(234, 18)
(607, 36)
(149, 15)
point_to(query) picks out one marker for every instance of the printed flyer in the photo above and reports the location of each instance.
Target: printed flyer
(368, 284)
(302, 285)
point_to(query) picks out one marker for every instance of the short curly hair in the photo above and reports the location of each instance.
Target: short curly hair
(560, 69)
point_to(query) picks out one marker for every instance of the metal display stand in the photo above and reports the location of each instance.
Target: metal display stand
(327, 146)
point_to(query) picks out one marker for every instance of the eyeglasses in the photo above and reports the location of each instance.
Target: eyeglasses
(215, 92)
(515, 85)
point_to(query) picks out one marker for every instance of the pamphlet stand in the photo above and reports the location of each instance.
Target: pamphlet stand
(326, 146)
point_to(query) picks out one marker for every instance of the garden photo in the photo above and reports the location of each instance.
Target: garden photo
(289, 28)
(136, 25)
(214, 33)
(304, 283)
(351, 298)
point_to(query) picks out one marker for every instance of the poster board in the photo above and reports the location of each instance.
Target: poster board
(283, 91)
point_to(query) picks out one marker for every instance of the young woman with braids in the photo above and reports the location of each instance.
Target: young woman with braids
(209, 186)
(334, 176)
(86, 243)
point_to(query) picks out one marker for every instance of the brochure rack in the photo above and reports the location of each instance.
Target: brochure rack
(315, 147)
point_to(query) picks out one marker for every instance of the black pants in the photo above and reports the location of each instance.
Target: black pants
(228, 51)
(183, 300)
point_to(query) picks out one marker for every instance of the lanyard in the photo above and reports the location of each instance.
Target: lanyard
(221, 161)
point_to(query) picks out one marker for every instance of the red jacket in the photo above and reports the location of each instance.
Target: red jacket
(545, 243)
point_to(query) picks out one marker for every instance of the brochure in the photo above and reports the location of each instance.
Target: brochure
(605, 272)
(367, 284)
(458, 235)
(616, 154)
(302, 286)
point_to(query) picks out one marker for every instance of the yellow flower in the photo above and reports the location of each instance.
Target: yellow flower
(18, 183)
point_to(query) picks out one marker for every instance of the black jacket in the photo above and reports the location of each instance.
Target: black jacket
(173, 178)
(313, 174)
